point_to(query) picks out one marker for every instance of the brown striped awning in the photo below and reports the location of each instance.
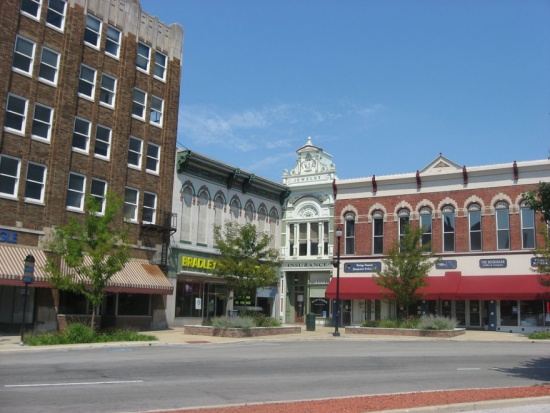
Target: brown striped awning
(12, 265)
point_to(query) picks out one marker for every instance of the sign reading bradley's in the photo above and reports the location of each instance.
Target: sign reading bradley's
(193, 262)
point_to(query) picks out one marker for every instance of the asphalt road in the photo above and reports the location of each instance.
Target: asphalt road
(144, 378)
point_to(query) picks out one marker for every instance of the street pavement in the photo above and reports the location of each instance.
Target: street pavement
(177, 336)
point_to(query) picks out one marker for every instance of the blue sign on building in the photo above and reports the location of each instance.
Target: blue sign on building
(363, 267)
(538, 261)
(446, 265)
(493, 263)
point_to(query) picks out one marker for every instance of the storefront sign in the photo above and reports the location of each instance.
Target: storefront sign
(193, 262)
(8, 236)
(289, 265)
(266, 292)
(535, 262)
(493, 263)
(446, 265)
(363, 267)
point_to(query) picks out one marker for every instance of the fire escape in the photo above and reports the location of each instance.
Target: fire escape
(163, 230)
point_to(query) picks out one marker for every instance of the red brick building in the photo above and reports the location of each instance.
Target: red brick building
(89, 95)
(478, 226)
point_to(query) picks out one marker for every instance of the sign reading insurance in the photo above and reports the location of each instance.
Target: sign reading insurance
(363, 267)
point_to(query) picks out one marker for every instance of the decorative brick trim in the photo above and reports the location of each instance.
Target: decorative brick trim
(240, 332)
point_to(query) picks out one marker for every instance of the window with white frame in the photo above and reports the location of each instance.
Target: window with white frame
(527, 227)
(108, 90)
(426, 225)
(75, 191)
(448, 217)
(138, 104)
(49, 66)
(186, 219)
(131, 199)
(92, 32)
(35, 182)
(143, 57)
(135, 148)
(149, 211)
(86, 84)
(202, 217)
(503, 225)
(378, 232)
(102, 147)
(16, 113)
(273, 224)
(23, 55)
(159, 70)
(291, 239)
(56, 14)
(157, 107)
(42, 122)
(98, 190)
(314, 238)
(31, 8)
(112, 43)
(404, 225)
(474, 217)
(349, 233)
(153, 158)
(81, 135)
(9, 175)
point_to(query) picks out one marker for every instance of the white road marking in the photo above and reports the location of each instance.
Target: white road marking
(468, 368)
(73, 384)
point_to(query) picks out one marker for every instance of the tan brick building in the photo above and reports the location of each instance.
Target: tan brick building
(89, 95)
(478, 226)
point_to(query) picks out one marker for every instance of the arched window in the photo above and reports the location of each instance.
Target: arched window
(203, 217)
(219, 202)
(235, 207)
(448, 216)
(474, 218)
(186, 208)
(404, 222)
(249, 212)
(527, 227)
(502, 213)
(426, 224)
(273, 223)
(262, 216)
(349, 219)
(378, 232)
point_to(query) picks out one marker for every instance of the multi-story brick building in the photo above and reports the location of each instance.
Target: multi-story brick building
(478, 226)
(89, 94)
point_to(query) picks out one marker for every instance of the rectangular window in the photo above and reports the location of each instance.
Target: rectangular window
(102, 147)
(75, 191)
(448, 231)
(35, 183)
(56, 14)
(503, 229)
(302, 239)
(475, 230)
(92, 33)
(157, 107)
(42, 122)
(527, 228)
(23, 55)
(131, 198)
(378, 235)
(153, 158)
(86, 84)
(16, 113)
(291, 240)
(98, 190)
(350, 236)
(135, 148)
(160, 65)
(81, 135)
(9, 175)
(149, 212)
(112, 43)
(49, 66)
(31, 8)
(108, 90)
(143, 57)
(314, 238)
(426, 224)
(138, 105)
(404, 221)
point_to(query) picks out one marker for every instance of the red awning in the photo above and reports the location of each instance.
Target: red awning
(451, 286)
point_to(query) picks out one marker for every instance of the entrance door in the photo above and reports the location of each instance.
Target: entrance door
(299, 308)
(346, 312)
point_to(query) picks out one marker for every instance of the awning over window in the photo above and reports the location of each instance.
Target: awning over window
(451, 286)
(138, 276)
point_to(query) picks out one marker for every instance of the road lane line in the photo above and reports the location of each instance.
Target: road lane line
(73, 384)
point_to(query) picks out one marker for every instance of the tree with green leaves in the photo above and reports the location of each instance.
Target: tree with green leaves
(94, 248)
(539, 201)
(405, 269)
(246, 260)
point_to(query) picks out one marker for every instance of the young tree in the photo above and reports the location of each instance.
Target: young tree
(405, 269)
(94, 248)
(246, 261)
(539, 201)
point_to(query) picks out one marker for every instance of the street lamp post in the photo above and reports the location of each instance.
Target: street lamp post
(336, 263)
(28, 278)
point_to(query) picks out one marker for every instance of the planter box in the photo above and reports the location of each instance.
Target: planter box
(406, 332)
(240, 332)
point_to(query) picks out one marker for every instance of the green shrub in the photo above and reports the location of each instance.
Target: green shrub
(389, 324)
(435, 322)
(233, 322)
(79, 333)
(409, 322)
(369, 323)
(540, 335)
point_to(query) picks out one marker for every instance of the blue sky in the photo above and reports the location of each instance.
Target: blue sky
(382, 85)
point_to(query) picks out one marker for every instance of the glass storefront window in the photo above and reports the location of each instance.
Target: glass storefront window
(133, 304)
(509, 313)
(188, 298)
(531, 313)
(461, 312)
